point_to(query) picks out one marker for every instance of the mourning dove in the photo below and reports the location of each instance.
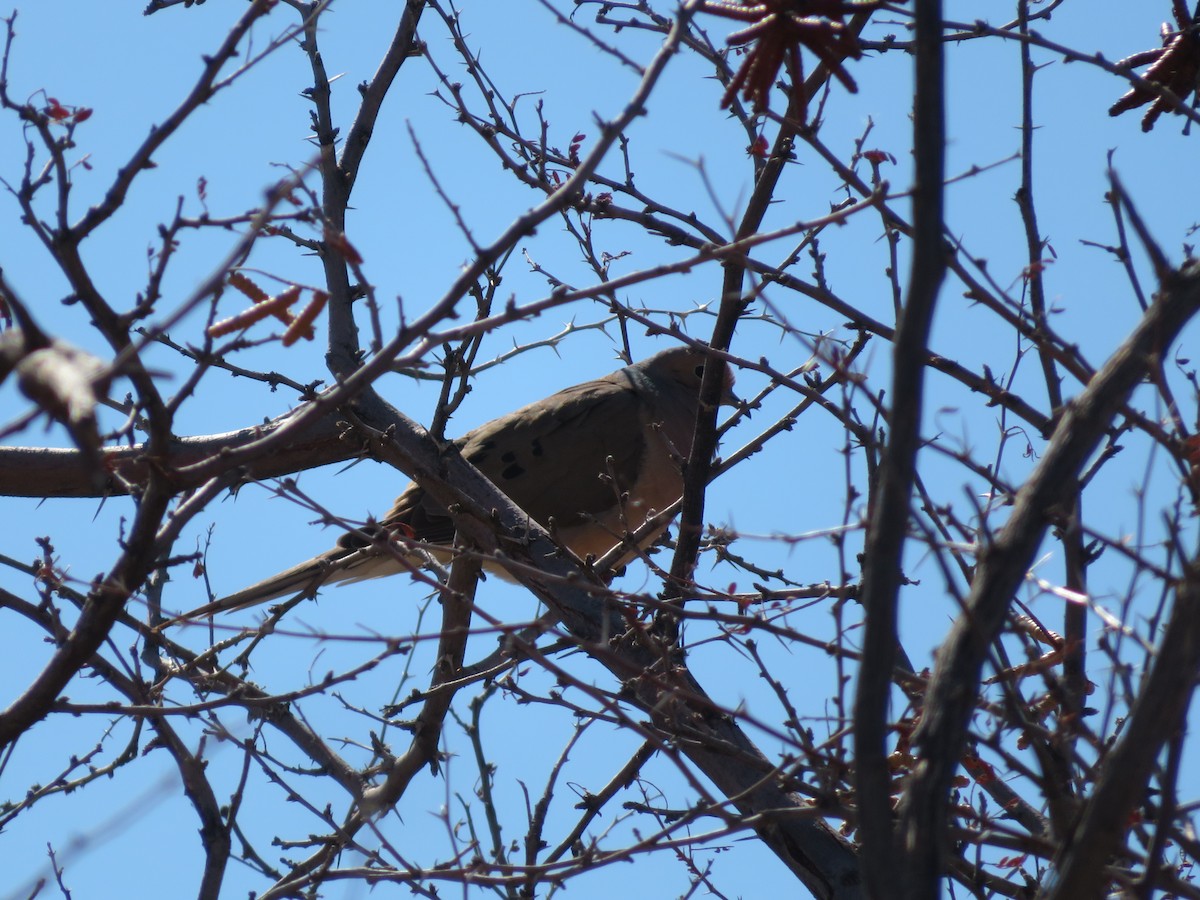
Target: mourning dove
(597, 458)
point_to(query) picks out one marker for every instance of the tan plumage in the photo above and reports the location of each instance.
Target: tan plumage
(550, 458)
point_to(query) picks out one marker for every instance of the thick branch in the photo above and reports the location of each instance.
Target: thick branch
(1158, 715)
(1002, 565)
(486, 518)
(892, 496)
(52, 472)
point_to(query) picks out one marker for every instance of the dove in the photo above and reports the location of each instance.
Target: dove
(596, 459)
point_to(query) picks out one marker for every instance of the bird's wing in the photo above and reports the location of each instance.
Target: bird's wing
(549, 458)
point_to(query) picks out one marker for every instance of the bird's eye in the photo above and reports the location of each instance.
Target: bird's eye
(700, 371)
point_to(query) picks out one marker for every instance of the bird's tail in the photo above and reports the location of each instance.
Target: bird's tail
(339, 565)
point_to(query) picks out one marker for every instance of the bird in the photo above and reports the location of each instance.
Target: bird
(596, 459)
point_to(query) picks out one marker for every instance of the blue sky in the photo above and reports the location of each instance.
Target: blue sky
(133, 70)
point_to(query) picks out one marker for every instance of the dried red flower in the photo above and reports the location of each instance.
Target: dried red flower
(1175, 66)
(778, 29)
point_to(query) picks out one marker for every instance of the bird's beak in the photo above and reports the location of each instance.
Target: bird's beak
(728, 397)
